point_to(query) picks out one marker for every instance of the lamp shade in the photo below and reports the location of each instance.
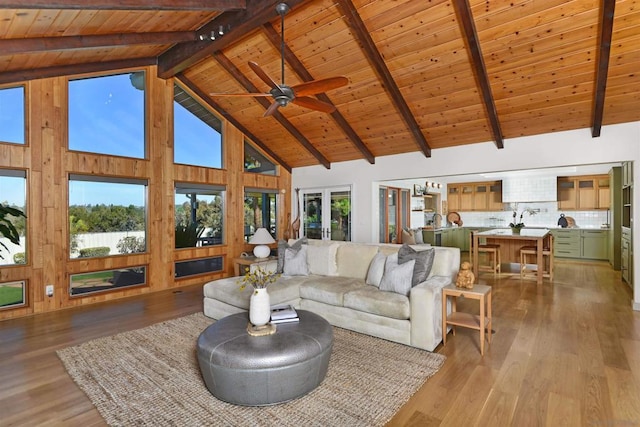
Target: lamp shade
(261, 238)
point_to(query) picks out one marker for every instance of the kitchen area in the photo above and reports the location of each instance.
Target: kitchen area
(587, 210)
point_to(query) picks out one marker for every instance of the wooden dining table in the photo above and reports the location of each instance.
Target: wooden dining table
(510, 244)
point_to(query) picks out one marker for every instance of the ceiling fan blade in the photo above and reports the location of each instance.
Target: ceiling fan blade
(240, 94)
(314, 104)
(263, 76)
(272, 109)
(319, 86)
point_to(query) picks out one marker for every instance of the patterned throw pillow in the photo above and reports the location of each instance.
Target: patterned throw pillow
(423, 262)
(282, 246)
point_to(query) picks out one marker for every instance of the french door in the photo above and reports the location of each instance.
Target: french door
(326, 213)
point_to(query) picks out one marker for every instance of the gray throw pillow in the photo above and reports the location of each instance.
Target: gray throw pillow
(423, 262)
(282, 246)
(397, 277)
(295, 262)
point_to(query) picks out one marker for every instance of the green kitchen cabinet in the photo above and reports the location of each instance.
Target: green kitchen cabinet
(595, 244)
(582, 244)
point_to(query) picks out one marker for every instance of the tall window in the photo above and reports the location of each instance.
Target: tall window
(106, 115)
(13, 199)
(259, 211)
(107, 216)
(197, 133)
(199, 215)
(12, 115)
(256, 162)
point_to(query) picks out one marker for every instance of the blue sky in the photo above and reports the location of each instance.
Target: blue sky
(106, 115)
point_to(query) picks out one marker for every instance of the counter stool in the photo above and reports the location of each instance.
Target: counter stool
(547, 258)
(489, 248)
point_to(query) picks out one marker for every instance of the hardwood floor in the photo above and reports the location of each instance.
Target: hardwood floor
(566, 353)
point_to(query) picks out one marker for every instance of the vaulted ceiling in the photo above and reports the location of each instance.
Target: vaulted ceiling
(422, 74)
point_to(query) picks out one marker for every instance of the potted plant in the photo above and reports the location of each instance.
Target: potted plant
(517, 226)
(259, 304)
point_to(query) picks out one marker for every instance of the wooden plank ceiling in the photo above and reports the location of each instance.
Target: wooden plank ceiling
(423, 75)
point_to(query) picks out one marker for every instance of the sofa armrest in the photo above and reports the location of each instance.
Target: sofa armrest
(425, 301)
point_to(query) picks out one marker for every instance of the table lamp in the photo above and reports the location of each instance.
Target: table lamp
(261, 238)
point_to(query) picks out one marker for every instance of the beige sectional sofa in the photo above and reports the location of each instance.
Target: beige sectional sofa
(336, 288)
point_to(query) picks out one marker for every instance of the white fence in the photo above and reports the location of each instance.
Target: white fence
(85, 240)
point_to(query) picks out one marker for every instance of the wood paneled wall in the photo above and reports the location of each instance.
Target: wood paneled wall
(48, 164)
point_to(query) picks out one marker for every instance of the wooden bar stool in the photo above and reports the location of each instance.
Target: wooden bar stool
(493, 250)
(547, 257)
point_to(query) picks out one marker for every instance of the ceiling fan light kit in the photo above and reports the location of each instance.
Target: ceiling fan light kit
(283, 94)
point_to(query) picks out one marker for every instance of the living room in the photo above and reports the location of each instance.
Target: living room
(586, 319)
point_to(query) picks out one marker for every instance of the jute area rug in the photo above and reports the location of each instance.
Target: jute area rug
(150, 377)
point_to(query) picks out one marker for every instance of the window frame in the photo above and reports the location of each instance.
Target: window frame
(186, 186)
(111, 180)
(25, 127)
(145, 115)
(201, 108)
(263, 192)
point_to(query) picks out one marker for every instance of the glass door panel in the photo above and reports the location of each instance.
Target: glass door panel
(336, 225)
(312, 215)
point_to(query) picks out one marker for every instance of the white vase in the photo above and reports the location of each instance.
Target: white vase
(259, 307)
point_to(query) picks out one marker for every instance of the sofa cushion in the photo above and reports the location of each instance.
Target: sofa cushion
(282, 246)
(322, 259)
(353, 260)
(423, 259)
(376, 270)
(372, 300)
(397, 277)
(295, 262)
(329, 290)
(228, 291)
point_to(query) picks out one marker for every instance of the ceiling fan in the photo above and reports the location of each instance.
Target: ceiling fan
(297, 94)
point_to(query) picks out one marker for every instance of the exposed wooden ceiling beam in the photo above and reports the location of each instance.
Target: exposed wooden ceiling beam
(206, 98)
(375, 59)
(246, 83)
(69, 70)
(125, 4)
(604, 52)
(463, 11)
(304, 74)
(41, 44)
(236, 25)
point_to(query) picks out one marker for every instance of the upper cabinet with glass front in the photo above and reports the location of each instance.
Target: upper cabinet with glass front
(475, 196)
(583, 192)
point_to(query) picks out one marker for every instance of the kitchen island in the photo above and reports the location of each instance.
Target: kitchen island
(510, 245)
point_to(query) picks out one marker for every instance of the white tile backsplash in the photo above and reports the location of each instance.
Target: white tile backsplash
(547, 216)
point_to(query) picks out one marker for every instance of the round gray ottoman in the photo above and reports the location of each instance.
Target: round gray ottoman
(246, 370)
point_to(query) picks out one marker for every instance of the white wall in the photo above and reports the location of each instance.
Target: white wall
(616, 143)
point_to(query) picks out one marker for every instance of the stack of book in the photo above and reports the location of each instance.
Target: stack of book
(284, 313)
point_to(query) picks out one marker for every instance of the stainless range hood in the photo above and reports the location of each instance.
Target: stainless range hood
(529, 189)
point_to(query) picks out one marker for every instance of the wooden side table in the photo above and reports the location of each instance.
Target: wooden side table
(482, 293)
(246, 262)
